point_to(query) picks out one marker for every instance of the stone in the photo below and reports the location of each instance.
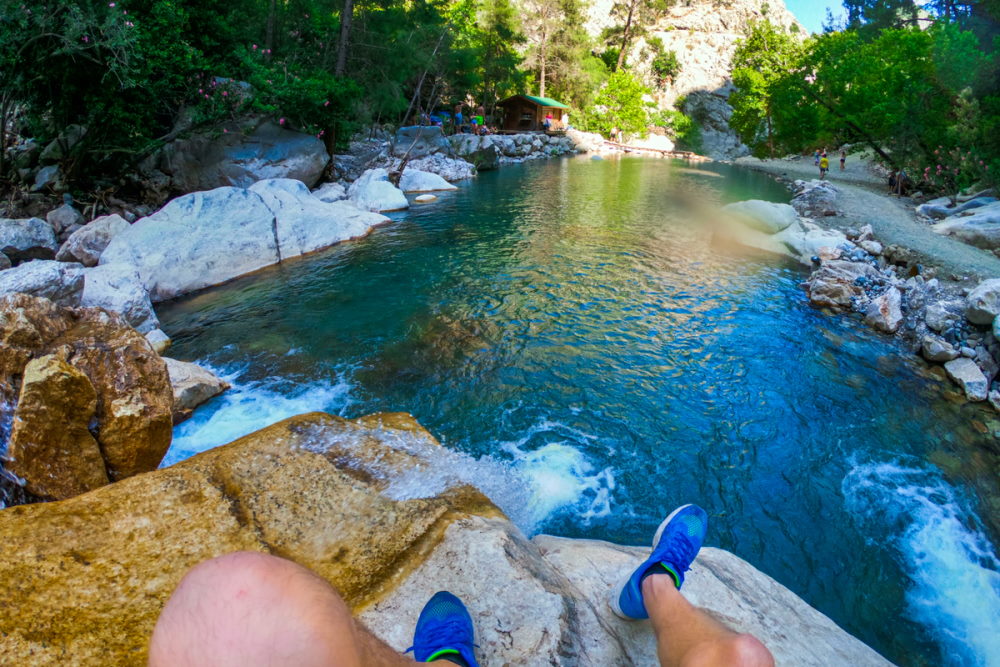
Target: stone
(5, 262)
(61, 147)
(374, 192)
(763, 216)
(420, 141)
(885, 312)
(60, 282)
(994, 399)
(937, 209)
(240, 159)
(815, 197)
(718, 582)
(982, 305)
(50, 445)
(805, 241)
(330, 192)
(117, 287)
(159, 341)
(941, 315)
(835, 283)
(981, 228)
(967, 375)
(450, 169)
(192, 385)
(871, 247)
(967, 352)
(24, 240)
(86, 244)
(134, 398)
(336, 496)
(47, 177)
(63, 218)
(218, 235)
(937, 349)
(414, 180)
(425, 199)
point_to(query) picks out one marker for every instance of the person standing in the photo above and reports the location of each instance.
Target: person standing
(816, 158)
(843, 160)
(458, 118)
(824, 166)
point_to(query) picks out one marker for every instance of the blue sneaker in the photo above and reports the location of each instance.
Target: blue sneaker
(675, 546)
(444, 629)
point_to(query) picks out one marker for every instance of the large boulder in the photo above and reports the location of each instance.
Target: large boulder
(60, 282)
(967, 375)
(420, 141)
(63, 218)
(837, 283)
(86, 244)
(815, 198)
(481, 151)
(50, 445)
(31, 238)
(942, 209)
(96, 570)
(374, 192)
(132, 417)
(205, 162)
(983, 303)
(764, 216)
(192, 385)
(450, 169)
(414, 180)
(330, 192)
(981, 228)
(118, 288)
(218, 235)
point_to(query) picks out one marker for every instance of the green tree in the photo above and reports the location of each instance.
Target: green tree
(619, 104)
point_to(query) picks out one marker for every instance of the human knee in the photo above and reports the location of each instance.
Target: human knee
(747, 651)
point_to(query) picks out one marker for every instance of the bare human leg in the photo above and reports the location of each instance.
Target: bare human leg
(688, 637)
(246, 609)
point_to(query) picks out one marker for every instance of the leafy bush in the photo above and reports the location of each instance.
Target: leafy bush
(685, 132)
(619, 104)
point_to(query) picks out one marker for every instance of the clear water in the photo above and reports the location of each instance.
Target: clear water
(592, 360)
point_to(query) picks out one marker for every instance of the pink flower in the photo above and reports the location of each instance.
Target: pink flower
(86, 39)
(111, 4)
(281, 121)
(206, 96)
(254, 47)
(225, 94)
(225, 131)
(327, 103)
(201, 90)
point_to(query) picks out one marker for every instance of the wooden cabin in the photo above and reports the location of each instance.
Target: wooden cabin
(525, 113)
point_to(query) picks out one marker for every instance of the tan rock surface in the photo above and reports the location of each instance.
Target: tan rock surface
(90, 574)
(134, 398)
(50, 445)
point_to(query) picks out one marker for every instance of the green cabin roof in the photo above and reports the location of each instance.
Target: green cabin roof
(546, 102)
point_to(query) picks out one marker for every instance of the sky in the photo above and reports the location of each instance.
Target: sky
(811, 13)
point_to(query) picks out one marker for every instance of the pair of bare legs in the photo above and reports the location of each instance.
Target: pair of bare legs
(247, 609)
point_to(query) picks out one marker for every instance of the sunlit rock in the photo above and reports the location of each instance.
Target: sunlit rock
(969, 377)
(192, 385)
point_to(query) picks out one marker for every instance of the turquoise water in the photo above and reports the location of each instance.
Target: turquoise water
(571, 331)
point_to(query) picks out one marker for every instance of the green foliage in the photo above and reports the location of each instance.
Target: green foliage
(683, 129)
(619, 104)
(664, 63)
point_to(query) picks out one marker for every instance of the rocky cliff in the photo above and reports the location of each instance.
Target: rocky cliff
(703, 34)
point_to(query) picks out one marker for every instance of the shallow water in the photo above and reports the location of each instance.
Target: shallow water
(569, 331)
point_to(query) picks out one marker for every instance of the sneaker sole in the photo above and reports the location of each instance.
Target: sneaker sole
(616, 593)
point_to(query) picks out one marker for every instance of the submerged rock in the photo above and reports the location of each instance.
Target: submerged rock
(192, 385)
(96, 570)
(133, 396)
(86, 244)
(969, 377)
(50, 445)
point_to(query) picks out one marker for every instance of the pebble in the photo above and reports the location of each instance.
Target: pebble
(968, 352)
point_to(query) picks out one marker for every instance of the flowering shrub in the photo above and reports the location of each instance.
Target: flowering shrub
(955, 170)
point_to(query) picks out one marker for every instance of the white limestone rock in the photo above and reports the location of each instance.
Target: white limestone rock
(64, 218)
(450, 169)
(192, 385)
(26, 239)
(159, 341)
(414, 180)
(207, 238)
(983, 303)
(118, 288)
(942, 314)
(980, 228)
(835, 283)
(885, 312)
(969, 377)
(764, 216)
(86, 244)
(374, 192)
(60, 282)
(330, 192)
(937, 349)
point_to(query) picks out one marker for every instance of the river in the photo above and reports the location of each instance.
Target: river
(595, 360)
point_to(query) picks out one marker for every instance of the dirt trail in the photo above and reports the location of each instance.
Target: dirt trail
(864, 200)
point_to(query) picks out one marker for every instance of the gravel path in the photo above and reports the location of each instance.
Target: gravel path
(864, 199)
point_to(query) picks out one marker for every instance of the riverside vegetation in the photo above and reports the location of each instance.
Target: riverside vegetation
(153, 148)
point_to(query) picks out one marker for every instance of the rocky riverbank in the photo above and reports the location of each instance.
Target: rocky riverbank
(946, 320)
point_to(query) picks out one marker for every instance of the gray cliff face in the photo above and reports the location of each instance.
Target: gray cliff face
(703, 34)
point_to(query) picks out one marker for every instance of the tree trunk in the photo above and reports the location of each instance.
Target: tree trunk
(269, 34)
(625, 36)
(541, 86)
(345, 33)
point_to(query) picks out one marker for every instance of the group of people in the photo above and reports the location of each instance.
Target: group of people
(821, 160)
(457, 122)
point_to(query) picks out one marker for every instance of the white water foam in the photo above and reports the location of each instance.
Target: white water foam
(534, 484)
(249, 406)
(955, 573)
